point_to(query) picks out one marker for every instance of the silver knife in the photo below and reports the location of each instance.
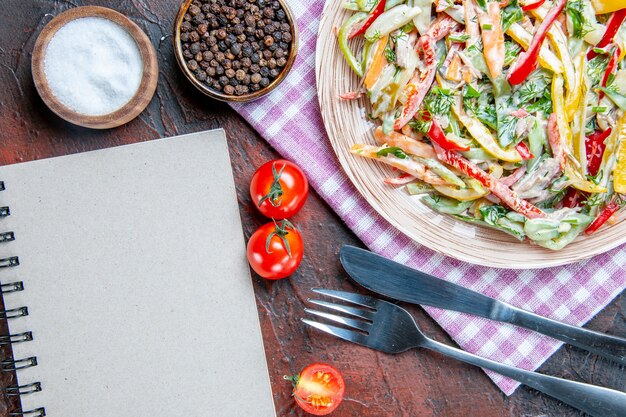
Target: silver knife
(391, 279)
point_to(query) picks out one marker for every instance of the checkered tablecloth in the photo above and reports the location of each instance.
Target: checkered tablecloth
(289, 119)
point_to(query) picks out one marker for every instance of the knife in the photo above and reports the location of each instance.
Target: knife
(391, 279)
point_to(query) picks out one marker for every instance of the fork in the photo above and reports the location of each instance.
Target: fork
(384, 326)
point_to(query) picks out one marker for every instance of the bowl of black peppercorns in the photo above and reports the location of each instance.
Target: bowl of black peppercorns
(235, 50)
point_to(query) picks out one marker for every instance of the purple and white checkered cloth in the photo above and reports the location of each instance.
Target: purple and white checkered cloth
(289, 119)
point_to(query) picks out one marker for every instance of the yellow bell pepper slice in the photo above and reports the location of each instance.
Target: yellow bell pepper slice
(461, 194)
(547, 59)
(619, 172)
(607, 6)
(483, 136)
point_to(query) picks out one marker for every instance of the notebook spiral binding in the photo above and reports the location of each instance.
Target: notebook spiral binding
(10, 365)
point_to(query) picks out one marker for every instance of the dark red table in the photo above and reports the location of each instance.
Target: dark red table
(416, 383)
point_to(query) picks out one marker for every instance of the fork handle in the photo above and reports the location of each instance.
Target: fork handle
(594, 400)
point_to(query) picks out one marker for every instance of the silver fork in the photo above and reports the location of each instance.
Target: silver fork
(389, 328)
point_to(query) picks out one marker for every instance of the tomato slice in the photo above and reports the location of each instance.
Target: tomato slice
(319, 389)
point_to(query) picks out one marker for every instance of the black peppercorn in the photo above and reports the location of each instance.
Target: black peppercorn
(200, 75)
(192, 65)
(194, 10)
(236, 46)
(194, 48)
(202, 29)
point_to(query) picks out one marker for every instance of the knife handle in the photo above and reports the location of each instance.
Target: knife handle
(593, 400)
(601, 344)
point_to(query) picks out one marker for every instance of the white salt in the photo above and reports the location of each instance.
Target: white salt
(93, 66)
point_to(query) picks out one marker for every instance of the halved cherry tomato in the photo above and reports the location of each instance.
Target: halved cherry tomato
(318, 389)
(279, 189)
(275, 250)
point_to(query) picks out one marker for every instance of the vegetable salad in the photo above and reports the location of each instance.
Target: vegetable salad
(507, 114)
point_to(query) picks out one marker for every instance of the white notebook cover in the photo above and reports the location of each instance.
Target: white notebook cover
(139, 295)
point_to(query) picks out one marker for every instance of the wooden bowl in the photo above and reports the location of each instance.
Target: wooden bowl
(125, 113)
(218, 95)
(346, 124)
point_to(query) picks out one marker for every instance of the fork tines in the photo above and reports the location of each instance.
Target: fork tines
(359, 319)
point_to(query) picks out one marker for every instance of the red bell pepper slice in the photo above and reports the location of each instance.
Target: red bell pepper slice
(612, 26)
(594, 147)
(533, 6)
(500, 190)
(554, 139)
(419, 85)
(610, 68)
(572, 198)
(527, 61)
(436, 134)
(374, 13)
(523, 151)
(401, 180)
(604, 215)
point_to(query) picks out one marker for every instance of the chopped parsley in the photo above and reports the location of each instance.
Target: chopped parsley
(439, 100)
(579, 22)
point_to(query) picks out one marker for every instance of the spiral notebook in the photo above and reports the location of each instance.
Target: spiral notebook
(126, 287)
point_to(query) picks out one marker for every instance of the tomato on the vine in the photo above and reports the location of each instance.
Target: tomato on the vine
(318, 389)
(279, 189)
(275, 250)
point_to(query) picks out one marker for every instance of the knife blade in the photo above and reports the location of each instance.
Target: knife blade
(397, 281)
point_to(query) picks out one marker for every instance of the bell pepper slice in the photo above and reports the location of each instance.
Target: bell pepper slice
(352, 60)
(379, 63)
(419, 85)
(573, 198)
(612, 26)
(533, 6)
(610, 69)
(493, 38)
(527, 61)
(500, 190)
(523, 151)
(404, 163)
(594, 145)
(373, 15)
(547, 59)
(483, 136)
(602, 218)
(436, 134)
(407, 144)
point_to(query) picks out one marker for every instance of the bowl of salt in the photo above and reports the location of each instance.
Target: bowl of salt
(94, 67)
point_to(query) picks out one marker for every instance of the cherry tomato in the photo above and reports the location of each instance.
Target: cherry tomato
(318, 389)
(275, 250)
(279, 189)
